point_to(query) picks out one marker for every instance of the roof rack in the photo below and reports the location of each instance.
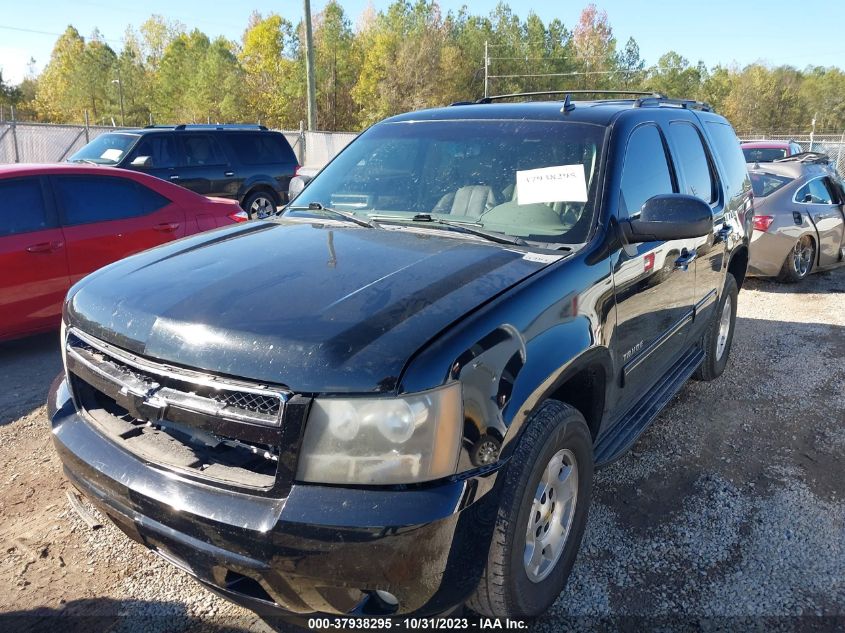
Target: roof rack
(514, 95)
(805, 157)
(659, 99)
(210, 126)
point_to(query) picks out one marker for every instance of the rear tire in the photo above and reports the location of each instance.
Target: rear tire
(260, 204)
(546, 490)
(718, 338)
(799, 263)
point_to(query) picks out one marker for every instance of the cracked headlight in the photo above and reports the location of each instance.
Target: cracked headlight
(402, 440)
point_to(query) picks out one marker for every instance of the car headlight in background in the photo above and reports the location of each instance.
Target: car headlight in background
(376, 441)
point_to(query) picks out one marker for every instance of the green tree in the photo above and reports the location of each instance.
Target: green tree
(631, 66)
(274, 90)
(674, 76)
(55, 100)
(337, 67)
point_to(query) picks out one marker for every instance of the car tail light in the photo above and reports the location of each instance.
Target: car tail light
(763, 222)
(239, 216)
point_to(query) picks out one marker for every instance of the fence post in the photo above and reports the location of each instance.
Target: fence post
(87, 139)
(839, 157)
(15, 135)
(302, 155)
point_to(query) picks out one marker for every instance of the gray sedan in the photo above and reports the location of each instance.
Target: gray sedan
(799, 222)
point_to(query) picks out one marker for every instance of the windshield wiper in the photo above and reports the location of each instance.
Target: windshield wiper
(464, 227)
(346, 215)
(84, 160)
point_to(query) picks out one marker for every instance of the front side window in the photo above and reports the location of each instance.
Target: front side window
(22, 206)
(160, 149)
(645, 172)
(106, 149)
(531, 179)
(86, 199)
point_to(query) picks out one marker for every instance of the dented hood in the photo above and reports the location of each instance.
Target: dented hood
(317, 307)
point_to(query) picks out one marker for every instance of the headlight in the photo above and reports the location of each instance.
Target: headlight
(383, 440)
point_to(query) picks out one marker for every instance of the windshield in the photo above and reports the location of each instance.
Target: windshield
(763, 154)
(531, 179)
(765, 184)
(106, 149)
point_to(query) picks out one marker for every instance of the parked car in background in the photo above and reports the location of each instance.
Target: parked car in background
(250, 164)
(799, 223)
(60, 222)
(391, 399)
(767, 151)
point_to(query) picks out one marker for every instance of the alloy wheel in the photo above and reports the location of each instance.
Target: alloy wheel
(724, 327)
(802, 256)
(551, 515)
(261, 208)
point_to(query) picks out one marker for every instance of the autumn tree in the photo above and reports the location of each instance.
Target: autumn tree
(595, 48)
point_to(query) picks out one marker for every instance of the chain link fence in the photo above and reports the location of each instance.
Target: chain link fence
(53, 143)
(831, 144)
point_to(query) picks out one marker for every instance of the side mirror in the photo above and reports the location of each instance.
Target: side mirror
(296, 185)
(142, 161)
(673, 216)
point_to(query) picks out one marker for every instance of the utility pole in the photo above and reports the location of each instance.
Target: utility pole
(486, 68)
(120, 94)
(309, 66)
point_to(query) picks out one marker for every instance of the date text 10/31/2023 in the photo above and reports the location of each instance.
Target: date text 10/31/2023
(411, 624)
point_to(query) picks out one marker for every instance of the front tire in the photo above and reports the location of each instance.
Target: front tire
(546, 490)
(799, 263)
(718, 338)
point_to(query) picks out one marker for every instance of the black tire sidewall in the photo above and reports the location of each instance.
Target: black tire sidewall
(251, 198)
(527, 597)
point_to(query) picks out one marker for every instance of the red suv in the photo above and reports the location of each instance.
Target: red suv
(60, 222)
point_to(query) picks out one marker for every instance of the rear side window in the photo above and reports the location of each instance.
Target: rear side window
(86, 199)
(202, 149)
(726, 145)
(766, 184)
(22, 207)
(161, 148)
(261, 148)
(692, 160)
(645, 173)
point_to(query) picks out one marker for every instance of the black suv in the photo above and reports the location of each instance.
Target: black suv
(248, 163)
(390, 400)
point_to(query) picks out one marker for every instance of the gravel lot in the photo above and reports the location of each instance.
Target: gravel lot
(728, 513)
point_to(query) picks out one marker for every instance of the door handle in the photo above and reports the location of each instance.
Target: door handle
(228, 174)
(174, 177)
(687, 257)
(44, 247)
(166, 227)
(725, 231)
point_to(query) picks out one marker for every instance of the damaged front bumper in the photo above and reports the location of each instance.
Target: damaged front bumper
(317, 550)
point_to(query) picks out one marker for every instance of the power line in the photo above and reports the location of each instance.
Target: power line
(37, 32)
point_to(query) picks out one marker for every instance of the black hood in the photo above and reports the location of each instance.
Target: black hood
(315, 307)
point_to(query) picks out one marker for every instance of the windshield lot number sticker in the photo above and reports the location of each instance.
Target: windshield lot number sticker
(563, 183)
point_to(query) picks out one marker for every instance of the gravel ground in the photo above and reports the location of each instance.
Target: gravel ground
(727, 514)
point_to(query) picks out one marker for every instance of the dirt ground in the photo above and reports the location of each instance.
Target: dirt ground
(729, 508)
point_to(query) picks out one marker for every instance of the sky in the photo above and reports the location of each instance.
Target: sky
(715, 32)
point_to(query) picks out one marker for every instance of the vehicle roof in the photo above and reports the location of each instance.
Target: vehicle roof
(192, 128)
(174, 192)
(600, 112)
(766, 145)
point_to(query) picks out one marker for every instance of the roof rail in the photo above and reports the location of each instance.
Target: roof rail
(210, 126)
(514, 95)
(805, 157)
(658, 100)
